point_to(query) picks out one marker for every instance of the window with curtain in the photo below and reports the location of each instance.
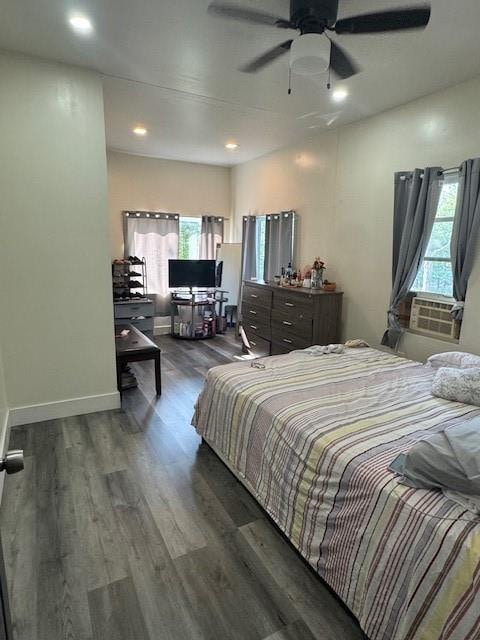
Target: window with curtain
(267, 244)
(260, 244)
(153, 236)
(160, 237)
(279, 235)
(436, 274)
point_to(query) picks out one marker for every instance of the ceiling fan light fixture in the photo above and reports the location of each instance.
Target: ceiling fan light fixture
(310, 54)
(339, 95)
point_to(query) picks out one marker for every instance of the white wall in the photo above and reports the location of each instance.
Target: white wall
(300, 178)
(56, 322)
(341, 184)
(3, 403)
(151, 184)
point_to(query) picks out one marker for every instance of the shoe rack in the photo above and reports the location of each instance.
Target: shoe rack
(129, 279)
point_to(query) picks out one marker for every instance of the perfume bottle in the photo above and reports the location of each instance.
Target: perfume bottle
(288, 273)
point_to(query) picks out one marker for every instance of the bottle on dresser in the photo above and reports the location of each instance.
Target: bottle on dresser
(288, 273)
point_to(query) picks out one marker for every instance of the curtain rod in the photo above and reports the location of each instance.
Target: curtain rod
(159, 214)
(451, 170)
(440, 173)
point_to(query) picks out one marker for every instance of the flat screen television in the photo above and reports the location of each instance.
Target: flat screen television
(191, 273)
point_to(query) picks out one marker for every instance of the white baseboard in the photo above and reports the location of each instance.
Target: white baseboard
(63, 409)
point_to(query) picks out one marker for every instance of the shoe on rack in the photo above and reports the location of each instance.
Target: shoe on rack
(134, 274)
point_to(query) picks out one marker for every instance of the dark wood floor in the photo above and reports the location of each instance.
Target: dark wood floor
(123, 526)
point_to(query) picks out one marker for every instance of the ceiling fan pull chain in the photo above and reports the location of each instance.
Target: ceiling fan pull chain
(289, 81)
(329, 84)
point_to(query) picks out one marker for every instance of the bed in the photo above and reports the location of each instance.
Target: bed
(312, 437)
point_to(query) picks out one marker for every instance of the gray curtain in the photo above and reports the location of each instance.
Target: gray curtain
(249, 248)
(465, 231)
(415, 208)
(211, 234)
(278, 243)
(403, 188)
(153, 236)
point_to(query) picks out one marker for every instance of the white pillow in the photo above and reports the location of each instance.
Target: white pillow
(453, 359)
(459, 385)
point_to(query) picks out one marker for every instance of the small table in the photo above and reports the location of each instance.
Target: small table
(136, 347)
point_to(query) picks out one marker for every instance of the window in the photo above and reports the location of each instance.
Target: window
(435, 273)
(260, 257)
(189, 238)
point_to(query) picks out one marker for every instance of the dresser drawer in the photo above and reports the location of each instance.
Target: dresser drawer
(292, 322)
(256, 324)
(254, 312)
(258, 346)
(133, 309)
(288, 341)
(257, 296)
(293, 303)
(142, 324)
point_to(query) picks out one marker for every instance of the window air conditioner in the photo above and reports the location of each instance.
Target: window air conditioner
(432, 317)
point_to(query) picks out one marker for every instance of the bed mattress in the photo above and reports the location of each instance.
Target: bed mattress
(312, 438)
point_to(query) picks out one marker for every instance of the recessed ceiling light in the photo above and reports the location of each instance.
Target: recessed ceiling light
(231, 145)
(140, 131)
(339, 95)
(81, 24)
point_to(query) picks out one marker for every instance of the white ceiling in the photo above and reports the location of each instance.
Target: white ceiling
(173, 68)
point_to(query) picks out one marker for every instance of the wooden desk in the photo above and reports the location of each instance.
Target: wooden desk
(136, 347)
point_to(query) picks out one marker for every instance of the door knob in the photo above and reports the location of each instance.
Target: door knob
(12, 462)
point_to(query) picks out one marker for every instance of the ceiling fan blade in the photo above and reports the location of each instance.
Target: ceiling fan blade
(394, 20)
(267, 57)
(341, 63)
(236, 12)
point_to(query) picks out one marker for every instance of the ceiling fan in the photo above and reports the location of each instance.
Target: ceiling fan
(313, 51)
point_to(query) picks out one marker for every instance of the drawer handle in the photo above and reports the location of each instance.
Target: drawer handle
(254, 313)
(289, 304)
(289, 324)
(252, 326)
(135, 308)
(253, 295)
(287, 341)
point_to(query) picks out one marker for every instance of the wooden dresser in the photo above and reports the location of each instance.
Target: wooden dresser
(277, 320)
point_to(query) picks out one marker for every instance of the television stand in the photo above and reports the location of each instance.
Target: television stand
(193, 314)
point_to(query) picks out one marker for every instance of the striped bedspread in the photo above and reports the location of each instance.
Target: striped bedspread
(312, 437)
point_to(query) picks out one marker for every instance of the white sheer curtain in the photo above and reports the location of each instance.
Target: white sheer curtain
(211, 235)
(154, 237)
